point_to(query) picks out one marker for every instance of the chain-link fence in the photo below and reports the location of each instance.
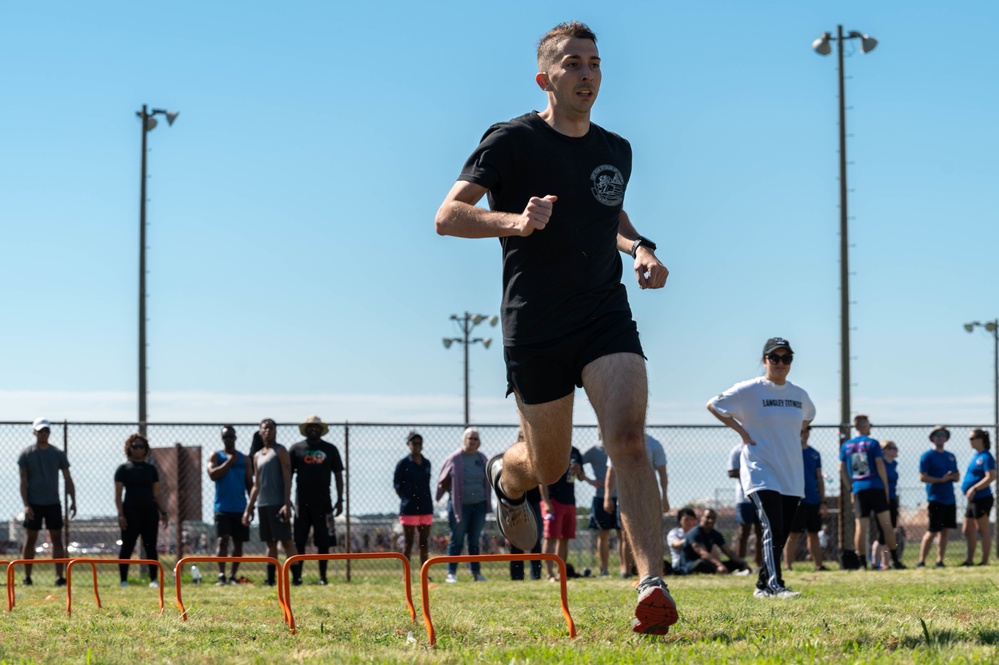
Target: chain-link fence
(697, 466)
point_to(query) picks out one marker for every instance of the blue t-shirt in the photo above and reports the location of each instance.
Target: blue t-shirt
(938, 465)
(230, 489)
(891, 468)
(859, 454)
(813, 464)
(979, 467)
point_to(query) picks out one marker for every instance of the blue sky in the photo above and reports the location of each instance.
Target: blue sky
(293, 263)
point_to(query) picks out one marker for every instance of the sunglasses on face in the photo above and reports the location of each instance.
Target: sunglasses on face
(778, 358)
(416, 443)
(891, 448)
(139, 446)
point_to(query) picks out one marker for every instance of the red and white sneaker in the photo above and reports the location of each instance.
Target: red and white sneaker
(655, 611)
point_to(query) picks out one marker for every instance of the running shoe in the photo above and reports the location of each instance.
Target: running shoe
(60, 581)
(516, 522)
(785, 593)
(26, 582)
(450, 579)
(222, 580)
(123, 584)
(938, 564)
(655, 611)
(898, 565)
(154, 585)
(762, 593)
(479, 578)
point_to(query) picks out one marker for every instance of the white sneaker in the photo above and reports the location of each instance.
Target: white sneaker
(154, 585)
(450, 579)
(516, 522)
(479, 578)
(742, 573)
(785, 592)
(123, 584)
(762, 593)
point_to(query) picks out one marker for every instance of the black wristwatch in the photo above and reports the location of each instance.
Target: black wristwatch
(642, 241)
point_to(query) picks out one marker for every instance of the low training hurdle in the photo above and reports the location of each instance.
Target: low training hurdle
(527, 556)
(290, 561)
(93, 566)
(29, 562)
(179, 568)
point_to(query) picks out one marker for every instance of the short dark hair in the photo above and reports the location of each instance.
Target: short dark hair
(550, 41)
(135, 437)
(983, 435)
(683, 512)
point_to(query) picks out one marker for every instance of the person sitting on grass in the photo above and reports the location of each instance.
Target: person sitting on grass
(699, 555)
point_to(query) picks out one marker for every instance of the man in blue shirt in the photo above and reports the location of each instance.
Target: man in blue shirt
(811, 510)
(862, 467)
(938, 469)
(230, 469)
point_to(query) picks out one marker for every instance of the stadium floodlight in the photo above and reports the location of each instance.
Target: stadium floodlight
(447, 342)
(822, 45)
(466, 322)
(148, 123)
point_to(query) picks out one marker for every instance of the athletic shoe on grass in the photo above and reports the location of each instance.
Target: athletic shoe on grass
(154, 585)
(450, 579)
(222, 581)
(516, 522)
(479, 578)
(762, 593)
(123, 584)
(785, 593)
(60, 581)
(655, 611)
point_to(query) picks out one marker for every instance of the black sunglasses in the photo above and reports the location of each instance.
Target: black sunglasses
(229, 437)
(778, 358)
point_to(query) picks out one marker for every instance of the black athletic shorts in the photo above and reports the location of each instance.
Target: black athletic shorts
(545, 372)
(978, 508)
(51, 514)
(871, 502)
(942, 516)
(231, 524)
(601, 520)
(273, 527)
(807, 518)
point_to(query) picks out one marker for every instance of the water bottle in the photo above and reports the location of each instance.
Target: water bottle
(195, 575)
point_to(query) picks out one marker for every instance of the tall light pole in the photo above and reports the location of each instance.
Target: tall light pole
(822, 47)
(992, 327)
(466, 322)
(148, 124)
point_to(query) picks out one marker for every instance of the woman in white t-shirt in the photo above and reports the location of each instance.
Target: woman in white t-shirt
(768, 412)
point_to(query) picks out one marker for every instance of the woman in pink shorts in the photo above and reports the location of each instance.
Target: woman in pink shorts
(412, 484)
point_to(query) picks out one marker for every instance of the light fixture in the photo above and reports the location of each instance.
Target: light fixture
(822, 45)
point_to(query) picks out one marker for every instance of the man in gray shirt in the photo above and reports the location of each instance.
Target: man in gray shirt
(40, 465)
(272, 487)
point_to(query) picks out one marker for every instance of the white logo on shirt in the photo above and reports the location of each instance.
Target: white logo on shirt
(608, 185)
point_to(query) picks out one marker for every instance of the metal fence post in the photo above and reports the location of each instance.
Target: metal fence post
(346, 488)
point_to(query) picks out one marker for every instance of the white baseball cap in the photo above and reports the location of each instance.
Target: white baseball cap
(41, 423)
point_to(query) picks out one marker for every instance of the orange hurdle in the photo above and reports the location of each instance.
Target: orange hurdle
(179, 568)
(93, 565)
(28, 562)
(353, 555)
(527, 556)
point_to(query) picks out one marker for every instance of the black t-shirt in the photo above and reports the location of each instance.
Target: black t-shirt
(563, 490)
(412, 484)
(313, 465)
(556, 280)
(703, 538)
(138, 479)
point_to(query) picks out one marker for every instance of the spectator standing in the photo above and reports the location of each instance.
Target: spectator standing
(416, 505)
(232, 474)
(141, 510)
(602, 521)
(272, 488)
(556, 184)
(977, 488)
(699, 549)
(746, 518)
(862, 467)
(559, 507)
(811, 510)
(533, 499)
(879, 555)
(938, 469)
(40, 465)
(463, 474)
(768, 413)
(686, 519)
(315, 464)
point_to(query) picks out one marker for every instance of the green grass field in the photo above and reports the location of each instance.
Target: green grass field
(924, 616)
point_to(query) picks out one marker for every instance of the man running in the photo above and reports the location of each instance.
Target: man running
(555, 183)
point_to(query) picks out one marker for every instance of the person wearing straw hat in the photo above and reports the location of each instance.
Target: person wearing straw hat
(938, 469)
(315, 463)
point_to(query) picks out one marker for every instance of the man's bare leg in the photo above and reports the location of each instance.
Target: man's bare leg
(543, 456)
(603, 547)
(617, 386)
(814, 548)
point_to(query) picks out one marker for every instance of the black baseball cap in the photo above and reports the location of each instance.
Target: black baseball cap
(775, 343)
